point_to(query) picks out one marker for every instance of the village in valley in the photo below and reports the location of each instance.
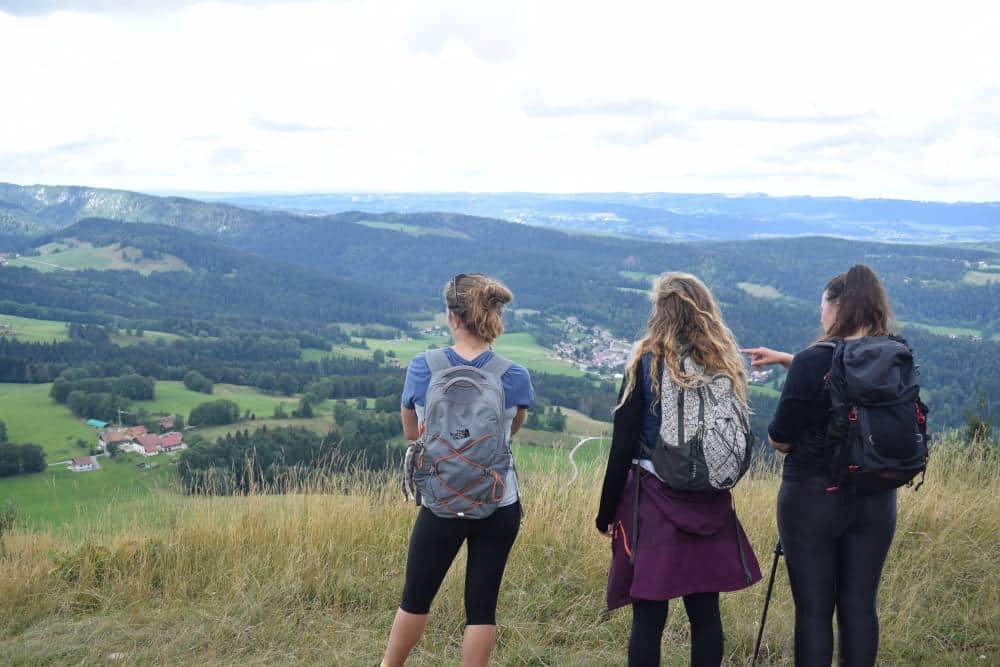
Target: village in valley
(112, 440)
(596, 350)
(593, 349)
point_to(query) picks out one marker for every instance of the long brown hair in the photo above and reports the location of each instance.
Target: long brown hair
(685, 315)
(478, 300)
(863, 305)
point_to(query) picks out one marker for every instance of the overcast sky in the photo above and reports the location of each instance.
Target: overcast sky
(872, 99)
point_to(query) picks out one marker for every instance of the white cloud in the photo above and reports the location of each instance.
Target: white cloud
(864, 99)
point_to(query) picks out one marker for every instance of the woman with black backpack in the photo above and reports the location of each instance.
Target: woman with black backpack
(460, 407)
(836, 534)
(684, 387)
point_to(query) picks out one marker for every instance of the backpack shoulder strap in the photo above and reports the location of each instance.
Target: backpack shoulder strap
(497, 365)
(437, 360)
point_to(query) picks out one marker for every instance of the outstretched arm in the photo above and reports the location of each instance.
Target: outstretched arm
(765, 356)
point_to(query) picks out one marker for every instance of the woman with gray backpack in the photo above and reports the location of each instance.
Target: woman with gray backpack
(460, 407)
(681, 440)
(852, 424)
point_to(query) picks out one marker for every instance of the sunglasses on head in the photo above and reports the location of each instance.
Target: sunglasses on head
(454, 282)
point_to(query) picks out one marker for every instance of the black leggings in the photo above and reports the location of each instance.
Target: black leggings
(649, 618)
(835, 546)
(434, 543)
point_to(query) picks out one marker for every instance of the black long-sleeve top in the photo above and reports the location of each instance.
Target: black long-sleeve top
(802, 413)
(628, 425)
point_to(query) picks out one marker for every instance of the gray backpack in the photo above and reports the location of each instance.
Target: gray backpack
(460, 465)
(705, 442)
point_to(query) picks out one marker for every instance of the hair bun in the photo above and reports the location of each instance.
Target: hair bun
(497, 294)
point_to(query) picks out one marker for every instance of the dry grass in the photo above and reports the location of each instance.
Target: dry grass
(314, 578)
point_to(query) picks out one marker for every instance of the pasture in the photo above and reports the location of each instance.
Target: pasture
(77, 502)
(32, 416)
(74, 255)
(31, 330)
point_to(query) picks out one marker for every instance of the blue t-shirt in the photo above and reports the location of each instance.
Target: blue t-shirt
(517, 388)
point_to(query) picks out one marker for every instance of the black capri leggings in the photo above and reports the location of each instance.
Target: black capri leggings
(649, 618)
(835, 546)
(435, 542)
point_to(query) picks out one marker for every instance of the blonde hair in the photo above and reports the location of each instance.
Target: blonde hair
(685, 315)
(478, 300)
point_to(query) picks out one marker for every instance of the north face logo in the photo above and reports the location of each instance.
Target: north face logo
(460, 434)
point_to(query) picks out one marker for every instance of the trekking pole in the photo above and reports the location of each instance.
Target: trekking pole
(767, 601)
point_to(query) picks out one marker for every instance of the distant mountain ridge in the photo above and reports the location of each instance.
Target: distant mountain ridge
(684, 217)
(32, 210)
(39, 209)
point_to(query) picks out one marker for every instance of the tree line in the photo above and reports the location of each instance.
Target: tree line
(18, 459)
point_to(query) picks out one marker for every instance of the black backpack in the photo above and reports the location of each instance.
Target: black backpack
(877, 433)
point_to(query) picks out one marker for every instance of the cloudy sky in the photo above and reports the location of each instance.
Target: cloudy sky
(873, 99)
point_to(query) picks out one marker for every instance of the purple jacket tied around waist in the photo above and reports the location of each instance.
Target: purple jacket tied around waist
(687, 543)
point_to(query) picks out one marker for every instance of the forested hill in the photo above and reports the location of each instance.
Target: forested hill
(30, 211)
(280, 271)
(225, 287)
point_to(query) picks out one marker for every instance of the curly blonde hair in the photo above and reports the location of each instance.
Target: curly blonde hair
(685, 316)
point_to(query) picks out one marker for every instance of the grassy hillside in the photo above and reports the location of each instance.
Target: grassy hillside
(34, 331)
(314, 579)
(32, 416)
(45, 331)
(59, 498)
(75, 255)
(118, 493)
(174, 397)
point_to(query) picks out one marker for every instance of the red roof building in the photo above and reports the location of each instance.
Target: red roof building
(115, 435)
(171, 441)
(150, 443)
(84, 463)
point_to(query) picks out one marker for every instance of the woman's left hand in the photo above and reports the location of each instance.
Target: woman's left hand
(782, 447)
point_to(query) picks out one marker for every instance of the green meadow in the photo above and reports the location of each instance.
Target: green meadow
(518, 347)
(31, 330)
(34, 331)
(32, 416)
(760, 291)
(535, 460)
(76, 256)
(636, 276)
(118, 492)
(415, 230)
(174, 397)
(946, 330)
